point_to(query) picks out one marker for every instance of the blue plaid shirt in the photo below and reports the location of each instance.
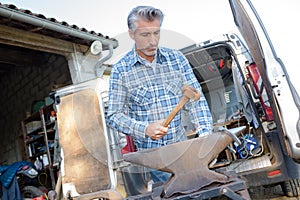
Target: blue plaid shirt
(141, 92)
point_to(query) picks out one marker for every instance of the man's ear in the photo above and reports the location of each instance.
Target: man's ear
(131, 34)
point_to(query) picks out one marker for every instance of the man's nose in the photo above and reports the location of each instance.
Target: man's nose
(153, 39)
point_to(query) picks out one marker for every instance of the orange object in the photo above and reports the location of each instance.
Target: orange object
(39, 198)
(222, 63)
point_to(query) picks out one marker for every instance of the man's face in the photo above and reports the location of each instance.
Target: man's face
(146, 37)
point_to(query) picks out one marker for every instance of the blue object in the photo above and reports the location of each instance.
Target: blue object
(8, 172)
(248, 144)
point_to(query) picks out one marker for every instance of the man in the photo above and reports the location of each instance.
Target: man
(145, 85)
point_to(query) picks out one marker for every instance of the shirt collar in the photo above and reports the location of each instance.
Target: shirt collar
(161, 55)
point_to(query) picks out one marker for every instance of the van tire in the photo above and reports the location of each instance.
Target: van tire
(291, 188)
(297, 160)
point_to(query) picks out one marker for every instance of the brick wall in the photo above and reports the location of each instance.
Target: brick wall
(19, 88)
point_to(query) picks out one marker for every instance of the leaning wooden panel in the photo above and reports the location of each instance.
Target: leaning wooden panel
(82, 137)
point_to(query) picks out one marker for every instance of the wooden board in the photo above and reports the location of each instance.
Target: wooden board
(82, 138)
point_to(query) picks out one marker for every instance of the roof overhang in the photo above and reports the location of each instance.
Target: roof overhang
(11, 16)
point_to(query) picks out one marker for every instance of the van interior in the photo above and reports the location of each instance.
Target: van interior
(225, 86)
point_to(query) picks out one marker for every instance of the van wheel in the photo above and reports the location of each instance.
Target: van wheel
(291, 188)
(297, 160)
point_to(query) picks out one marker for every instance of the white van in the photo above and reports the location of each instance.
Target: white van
(239, 93)
(245, 81)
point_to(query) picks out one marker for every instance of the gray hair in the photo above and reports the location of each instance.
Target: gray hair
(148, 13)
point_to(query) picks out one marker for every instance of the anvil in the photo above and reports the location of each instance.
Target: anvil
(188, 161)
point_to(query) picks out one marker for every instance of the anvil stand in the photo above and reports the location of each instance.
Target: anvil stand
(188, 162)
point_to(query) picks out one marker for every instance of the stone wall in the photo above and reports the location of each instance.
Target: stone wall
(19, 89)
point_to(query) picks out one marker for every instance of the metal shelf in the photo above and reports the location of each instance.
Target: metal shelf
(40, 135)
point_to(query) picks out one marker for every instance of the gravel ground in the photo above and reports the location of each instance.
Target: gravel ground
(274, 193)
(261, 193)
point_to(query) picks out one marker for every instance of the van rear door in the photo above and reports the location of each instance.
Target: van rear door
(283, 98)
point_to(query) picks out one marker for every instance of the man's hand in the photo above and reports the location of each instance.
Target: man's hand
(156, 130)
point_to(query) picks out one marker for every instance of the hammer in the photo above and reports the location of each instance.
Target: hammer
(188, 93)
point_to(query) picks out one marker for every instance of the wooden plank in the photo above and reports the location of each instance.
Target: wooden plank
(81, 135)
(30, 40)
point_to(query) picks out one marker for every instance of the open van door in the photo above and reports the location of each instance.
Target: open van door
(283, 99)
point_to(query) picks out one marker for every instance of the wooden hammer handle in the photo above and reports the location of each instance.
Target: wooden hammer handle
(174, 112)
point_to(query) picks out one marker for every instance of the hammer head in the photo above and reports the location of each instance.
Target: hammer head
(190, 92)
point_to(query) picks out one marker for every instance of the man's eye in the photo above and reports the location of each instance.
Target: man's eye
(145, 34)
